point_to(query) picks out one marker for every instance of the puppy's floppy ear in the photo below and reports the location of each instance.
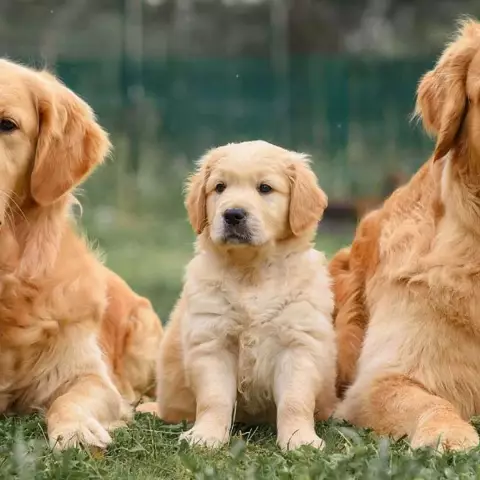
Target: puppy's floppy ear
(196, 201)
(307, 199)
(441, 94)
(70, 142)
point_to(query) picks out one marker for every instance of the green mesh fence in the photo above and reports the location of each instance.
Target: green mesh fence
(352, 114)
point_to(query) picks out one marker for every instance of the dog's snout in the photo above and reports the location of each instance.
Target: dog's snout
(234, 216)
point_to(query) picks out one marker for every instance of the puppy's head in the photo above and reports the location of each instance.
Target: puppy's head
(448, 97)
(49, 139)
(254, 193)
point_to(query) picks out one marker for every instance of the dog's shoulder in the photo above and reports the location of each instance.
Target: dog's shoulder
(203, 269)
(307, 279)
(310, 265)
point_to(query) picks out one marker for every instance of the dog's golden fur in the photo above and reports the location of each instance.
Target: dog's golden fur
(130, 337)
(253, 324)
(53, 289)
(408, 295)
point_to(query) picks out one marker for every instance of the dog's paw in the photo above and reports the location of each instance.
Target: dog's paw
(148, 407)
(116, 425)
(457, 437)
(299, 438)
(86, 433)
(205, 437)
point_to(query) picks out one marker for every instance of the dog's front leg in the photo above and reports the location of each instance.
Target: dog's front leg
(295, 386)
(212, 373)
(304, 378)
(84, 414)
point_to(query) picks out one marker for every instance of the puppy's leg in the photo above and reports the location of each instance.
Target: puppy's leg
(84, 414)
(214, 383)
(296, 386)
(397, 405)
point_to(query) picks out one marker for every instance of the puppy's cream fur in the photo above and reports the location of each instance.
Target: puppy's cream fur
(408, 295)
(252, 331)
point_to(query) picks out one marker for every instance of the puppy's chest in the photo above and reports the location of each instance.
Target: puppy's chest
(258, 340)
(255, 314)
(254, 306)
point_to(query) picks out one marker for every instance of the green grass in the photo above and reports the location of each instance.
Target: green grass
(148, 449)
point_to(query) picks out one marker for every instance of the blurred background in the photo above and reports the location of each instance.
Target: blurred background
(171, 78)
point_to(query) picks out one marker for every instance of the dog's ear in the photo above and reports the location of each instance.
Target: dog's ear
(196, 197)
(441, 94)
(196, 201)
(70, 142)
(441, 102)
(307, 199)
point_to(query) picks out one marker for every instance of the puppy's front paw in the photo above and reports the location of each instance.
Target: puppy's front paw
(206, 436)
(88, 432)
(300, 438)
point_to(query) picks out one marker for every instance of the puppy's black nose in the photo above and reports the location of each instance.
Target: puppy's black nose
(233, 216)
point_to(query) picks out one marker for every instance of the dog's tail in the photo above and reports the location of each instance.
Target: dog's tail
(339, 269)
(349, 316)
(340, 263)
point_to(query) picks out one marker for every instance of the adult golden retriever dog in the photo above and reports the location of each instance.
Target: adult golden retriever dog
(53, 290)
(252, 331)
(410, 283)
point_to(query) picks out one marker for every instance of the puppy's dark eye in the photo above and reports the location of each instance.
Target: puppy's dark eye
(7, 126)
(220, 187)
(264, 188)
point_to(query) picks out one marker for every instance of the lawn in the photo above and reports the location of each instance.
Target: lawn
(148, 449)
(149, 244)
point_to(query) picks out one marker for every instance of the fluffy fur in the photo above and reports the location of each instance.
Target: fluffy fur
(252, 331)
(53, 290)
(408, 295)
(130, 337)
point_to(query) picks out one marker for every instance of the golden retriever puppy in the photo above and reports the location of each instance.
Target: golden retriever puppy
(53, 290)
(130, 337)
(408, 291)
(252, 331)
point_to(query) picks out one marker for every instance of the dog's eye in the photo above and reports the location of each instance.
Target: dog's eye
(264, 188)
(220, 187)
(7, 125)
